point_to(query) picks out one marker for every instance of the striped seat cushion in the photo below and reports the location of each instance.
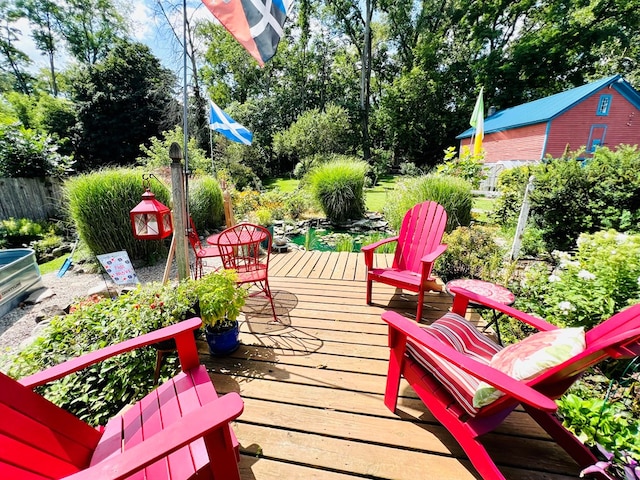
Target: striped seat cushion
(460, 334)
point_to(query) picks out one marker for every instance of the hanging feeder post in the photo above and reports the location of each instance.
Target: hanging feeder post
(179, 243)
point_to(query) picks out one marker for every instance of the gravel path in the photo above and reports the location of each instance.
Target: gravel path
(21, 324)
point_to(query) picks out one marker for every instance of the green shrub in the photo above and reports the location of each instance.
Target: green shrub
(614, 189)
(99, 204)
(338, 186)
(586, 288)
(205, 203)
(454, 194)
(98, 392)
(471, 253)
(511, 184)
(558, 202)
(26, 153)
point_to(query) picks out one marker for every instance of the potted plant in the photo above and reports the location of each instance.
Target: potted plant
(220, 301)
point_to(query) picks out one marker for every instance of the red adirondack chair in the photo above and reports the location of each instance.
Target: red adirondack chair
(177, 431)
(418, 246)
(240, 251)
(445, 362)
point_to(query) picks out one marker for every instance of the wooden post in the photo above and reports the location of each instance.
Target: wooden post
(522, 220)
(179, 209)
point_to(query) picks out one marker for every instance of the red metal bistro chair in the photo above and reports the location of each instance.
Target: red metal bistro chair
(199, 251)
(240, 250)
(418, 246)
(178, 431)
(470, 383)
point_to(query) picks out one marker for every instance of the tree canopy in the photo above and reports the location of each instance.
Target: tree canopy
(405, 73)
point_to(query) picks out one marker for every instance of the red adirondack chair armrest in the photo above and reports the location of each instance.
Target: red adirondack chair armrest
(199, 423)
(401, 329)
(181, 332)
(368, 250)
(432, 256)
(463, 297)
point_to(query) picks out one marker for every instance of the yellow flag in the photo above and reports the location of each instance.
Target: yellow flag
(477, 121)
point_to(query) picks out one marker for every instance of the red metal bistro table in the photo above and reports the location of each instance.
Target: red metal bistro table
(495, 292)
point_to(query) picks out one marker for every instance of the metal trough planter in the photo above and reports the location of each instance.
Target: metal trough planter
(19, 277)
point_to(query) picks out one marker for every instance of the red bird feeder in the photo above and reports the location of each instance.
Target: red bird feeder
(150, 219)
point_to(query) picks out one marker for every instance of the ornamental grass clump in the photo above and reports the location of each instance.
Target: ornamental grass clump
(205, 203)
(453, 193)
(99, 204)
(338, 186)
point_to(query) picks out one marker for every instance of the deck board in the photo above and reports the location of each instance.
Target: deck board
(313, 388)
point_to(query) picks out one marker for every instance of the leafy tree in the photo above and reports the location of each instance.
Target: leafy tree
(42, 15)
(121, 103)
(13, 62)
(90, 28)
(156, 154)
(26, 153)
(57, 117)
(315, 132)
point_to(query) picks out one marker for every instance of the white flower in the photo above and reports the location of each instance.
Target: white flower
(621, 238)
(586, 275)
(638, 280)
(566, 307)
(568, 263)
(554, 278)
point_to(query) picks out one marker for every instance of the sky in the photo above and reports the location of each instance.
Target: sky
(147, 29)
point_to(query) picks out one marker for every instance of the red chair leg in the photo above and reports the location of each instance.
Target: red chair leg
(420, 304)
(369, 282)
(268, 292)
(563, 437)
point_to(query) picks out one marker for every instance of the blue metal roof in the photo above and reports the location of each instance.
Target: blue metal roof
(544, 109)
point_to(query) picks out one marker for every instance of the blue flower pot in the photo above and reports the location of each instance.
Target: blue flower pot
(223, 342)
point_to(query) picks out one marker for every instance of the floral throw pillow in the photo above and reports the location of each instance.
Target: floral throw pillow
(531, 357)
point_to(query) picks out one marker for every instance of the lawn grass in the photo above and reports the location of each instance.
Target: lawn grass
(376, 197)
(482, 208)
(285, 185)
(52, 266)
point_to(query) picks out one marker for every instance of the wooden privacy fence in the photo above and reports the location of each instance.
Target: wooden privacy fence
(32, 198)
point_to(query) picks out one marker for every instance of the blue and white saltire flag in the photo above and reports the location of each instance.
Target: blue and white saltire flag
(223, 123)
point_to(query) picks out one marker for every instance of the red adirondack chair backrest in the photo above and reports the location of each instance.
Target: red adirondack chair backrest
(420, 233)
(39, 439)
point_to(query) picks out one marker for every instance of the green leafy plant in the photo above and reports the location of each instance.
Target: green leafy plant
(220, 299)
(98, 392)
(587, 287)
(467, 166)
(205, 203)
(595, 421)
(472, 252)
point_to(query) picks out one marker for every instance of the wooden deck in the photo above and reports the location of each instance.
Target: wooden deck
(313, 388)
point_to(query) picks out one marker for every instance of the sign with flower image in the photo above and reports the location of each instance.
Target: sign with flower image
(119, 268)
